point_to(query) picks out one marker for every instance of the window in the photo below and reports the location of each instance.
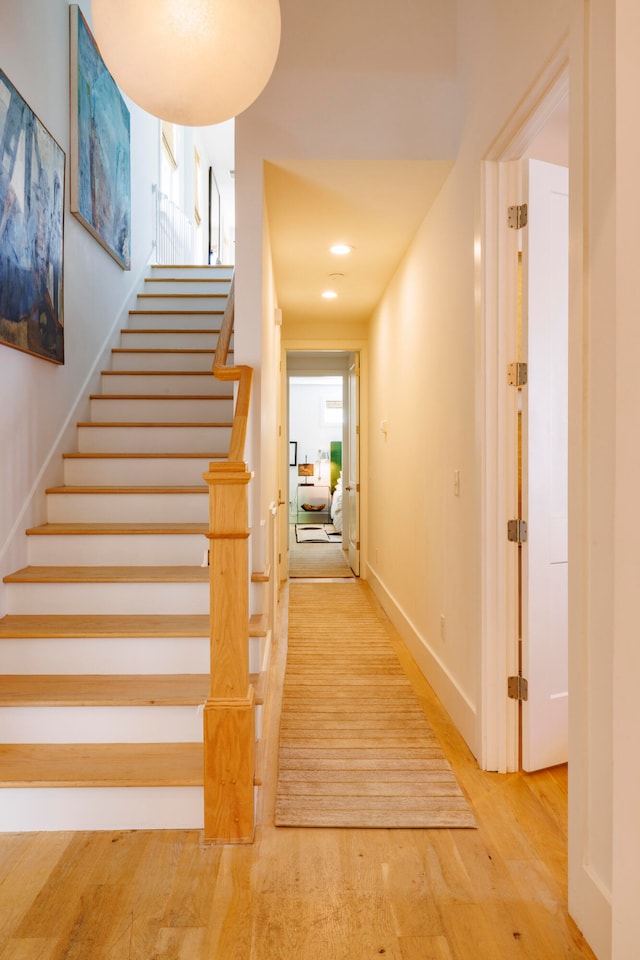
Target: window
(332, 412)
(196, 187)
(169, 143)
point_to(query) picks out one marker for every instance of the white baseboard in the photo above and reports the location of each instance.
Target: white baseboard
(453, 699)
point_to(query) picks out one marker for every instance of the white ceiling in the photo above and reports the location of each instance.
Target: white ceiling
(375, 206)
(362, 104)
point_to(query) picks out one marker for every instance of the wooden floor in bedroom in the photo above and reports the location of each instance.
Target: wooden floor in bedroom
(495, 893)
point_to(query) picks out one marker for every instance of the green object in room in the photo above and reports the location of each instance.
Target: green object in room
(336, 462)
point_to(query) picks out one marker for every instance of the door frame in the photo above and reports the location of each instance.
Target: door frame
(497, 407)
(324, 346)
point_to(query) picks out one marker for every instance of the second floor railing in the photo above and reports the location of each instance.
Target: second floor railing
(175, 232)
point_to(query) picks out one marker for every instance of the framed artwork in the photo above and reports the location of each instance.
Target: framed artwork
(293, 453)
(100, 170)
(31, 230)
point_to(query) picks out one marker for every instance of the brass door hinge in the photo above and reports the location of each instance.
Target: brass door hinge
(518, 216)
(517, 374)
(517, 531)
(517, 688)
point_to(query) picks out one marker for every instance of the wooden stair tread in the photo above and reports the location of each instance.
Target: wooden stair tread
(101, 765)
(158, 373)
(143, 488)
(154, 350)
(176, 313)
(71, 690)
(110, 574)
(108, 690)
(116, 529)
(193, 266)
(187, 279)
(178, 330)
(45, 625)
(186, 296)
(258, 625)
(148, 424)
(108, 455)
(160, 396)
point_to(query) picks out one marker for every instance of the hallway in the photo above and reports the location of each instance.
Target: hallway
(303, 894)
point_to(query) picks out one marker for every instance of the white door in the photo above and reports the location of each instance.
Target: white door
(545, 249)
(352, 488)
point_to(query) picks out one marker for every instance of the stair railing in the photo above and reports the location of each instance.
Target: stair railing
(229, 712)
(175, 232)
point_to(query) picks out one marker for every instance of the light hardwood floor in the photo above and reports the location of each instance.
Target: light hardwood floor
(302, 894)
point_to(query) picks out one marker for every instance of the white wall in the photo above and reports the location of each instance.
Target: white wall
(626, 610)
(41, 401)
(425, 363)
(502, 46)
(307, 427)
(339, 81)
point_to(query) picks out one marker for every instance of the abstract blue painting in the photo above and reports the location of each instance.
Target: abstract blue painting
(31, 230)
(100, 146)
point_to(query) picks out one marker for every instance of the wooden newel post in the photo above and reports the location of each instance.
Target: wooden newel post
(229, 722)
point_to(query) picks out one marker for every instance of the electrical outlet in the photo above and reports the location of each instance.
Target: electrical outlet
(443, 630)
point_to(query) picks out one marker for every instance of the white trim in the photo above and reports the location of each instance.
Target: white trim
(453, 698)
(347, 345)
(498, 736)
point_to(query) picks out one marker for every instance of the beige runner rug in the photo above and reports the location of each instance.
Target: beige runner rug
(323, 560)
(356, 749)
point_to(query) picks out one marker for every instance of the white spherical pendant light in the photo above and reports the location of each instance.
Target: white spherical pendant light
(191, 62)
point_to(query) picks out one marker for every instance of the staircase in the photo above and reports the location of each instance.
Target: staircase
(104, 651)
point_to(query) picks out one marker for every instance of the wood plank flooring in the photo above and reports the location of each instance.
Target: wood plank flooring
(495, 893)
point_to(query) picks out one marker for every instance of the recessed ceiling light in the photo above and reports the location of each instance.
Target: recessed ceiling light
(340, 249)
(329, 294)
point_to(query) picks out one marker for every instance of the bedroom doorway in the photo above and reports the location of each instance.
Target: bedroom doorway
(525, 717)
(323, 463)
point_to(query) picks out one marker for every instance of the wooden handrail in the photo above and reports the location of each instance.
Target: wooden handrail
(229, 722)
(242, 373)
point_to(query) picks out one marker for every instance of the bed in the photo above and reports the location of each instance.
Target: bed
(336, 506)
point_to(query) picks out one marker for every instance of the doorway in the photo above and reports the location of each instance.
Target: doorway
(517, 451)
(322, 477)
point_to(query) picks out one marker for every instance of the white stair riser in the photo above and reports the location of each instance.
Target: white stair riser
(204, 271)
(109, 724)
(180, 303)
(205, 286)
(128, 507)
(129, 655)
(169, 410)
(102, 808)
(105, 598)
(132, 471)
(168, 384)
(126, 550)
(256, 654)
(145, 439)
(200, 362)
(181, 339)
(147, 319)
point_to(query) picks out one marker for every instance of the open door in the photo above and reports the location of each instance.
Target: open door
(544, 477)
(352, 480)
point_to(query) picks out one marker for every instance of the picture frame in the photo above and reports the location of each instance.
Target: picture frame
(100, 145)
(293, 453)
(32, 192)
